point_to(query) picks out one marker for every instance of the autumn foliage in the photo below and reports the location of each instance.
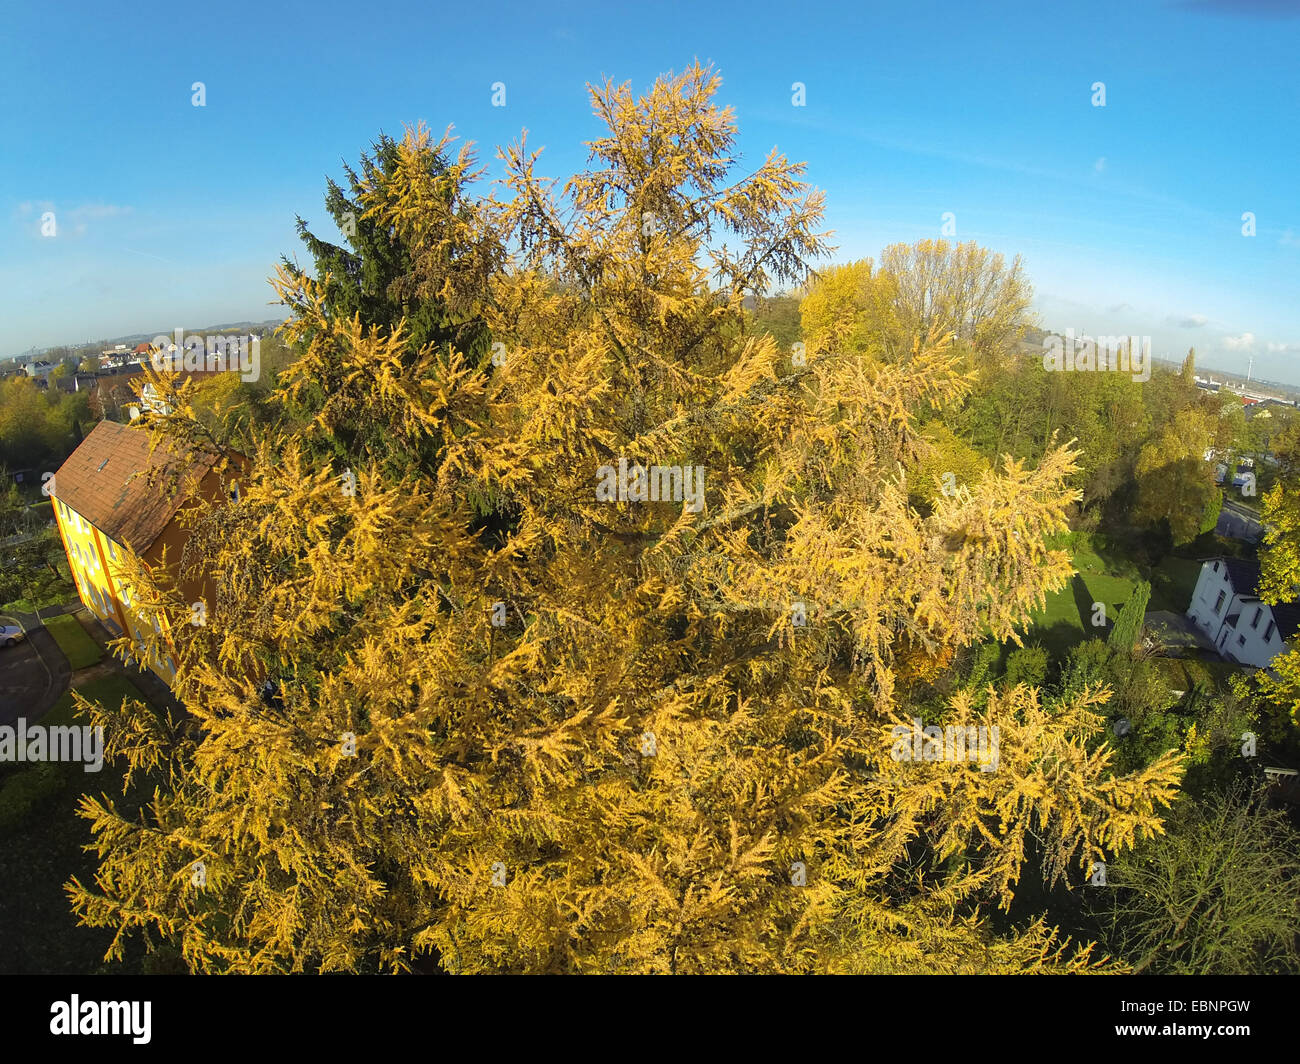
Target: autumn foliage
(593, 736)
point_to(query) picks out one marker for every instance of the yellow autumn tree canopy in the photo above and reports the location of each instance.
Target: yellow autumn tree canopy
(475, 710)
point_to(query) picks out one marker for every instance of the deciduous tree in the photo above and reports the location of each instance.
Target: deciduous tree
(467, 708)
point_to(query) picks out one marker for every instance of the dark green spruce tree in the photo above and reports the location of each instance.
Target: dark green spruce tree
(382, 276)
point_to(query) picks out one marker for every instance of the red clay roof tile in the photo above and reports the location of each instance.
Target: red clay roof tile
(98, 481)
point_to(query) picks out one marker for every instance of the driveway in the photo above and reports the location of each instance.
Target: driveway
(1237, 522)
(33, 675)
(1174, 631)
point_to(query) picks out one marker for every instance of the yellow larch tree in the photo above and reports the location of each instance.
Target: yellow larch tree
(478, 710)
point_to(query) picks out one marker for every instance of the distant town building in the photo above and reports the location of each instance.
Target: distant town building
(154, 403)
(113, 395)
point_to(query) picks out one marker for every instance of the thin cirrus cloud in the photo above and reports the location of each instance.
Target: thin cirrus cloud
(1189, 321)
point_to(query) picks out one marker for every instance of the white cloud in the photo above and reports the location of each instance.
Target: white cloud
(1187, 321)
(1244, 342)
(72, 221)
(29, 207)
(1100, 164)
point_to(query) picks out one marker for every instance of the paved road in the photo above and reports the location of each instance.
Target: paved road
(1238, 522)
(33, 675)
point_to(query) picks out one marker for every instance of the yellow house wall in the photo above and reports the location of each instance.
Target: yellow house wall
(93, 558)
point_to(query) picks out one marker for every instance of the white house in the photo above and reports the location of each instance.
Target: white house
(1226, 609)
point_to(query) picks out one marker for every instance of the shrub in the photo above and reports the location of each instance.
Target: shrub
(24, 791)
(1028, 665)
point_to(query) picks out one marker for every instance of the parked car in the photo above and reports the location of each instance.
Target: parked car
(10, 635)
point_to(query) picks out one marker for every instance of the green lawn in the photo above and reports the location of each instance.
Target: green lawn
(41, 847)
(22, 785)
(76, 645)
(107, 690)
(1068, 615)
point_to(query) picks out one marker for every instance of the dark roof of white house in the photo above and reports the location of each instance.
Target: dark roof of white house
(1243, 574)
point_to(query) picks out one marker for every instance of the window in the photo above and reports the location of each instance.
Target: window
(1216, 567)
(1268, 632)
(1219, 604)
(1259, 612)
(1241, 640)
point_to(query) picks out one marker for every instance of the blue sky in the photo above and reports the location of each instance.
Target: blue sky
(1128, 216)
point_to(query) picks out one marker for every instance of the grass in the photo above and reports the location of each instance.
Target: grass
(77, 646)
(26, 790)
(41, 848)
(107, 690)
(1068, 614)
(1067, 618)
(24, 786)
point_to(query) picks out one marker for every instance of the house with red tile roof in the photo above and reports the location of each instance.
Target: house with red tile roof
(115, 495)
